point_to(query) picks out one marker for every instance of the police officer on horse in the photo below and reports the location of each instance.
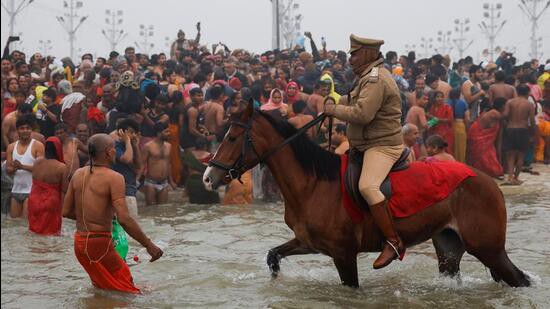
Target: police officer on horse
(373, 114)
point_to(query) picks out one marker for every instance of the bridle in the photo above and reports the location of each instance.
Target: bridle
(240, 167)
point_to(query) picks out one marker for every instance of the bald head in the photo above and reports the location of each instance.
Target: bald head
(410, 134)
(99, 146)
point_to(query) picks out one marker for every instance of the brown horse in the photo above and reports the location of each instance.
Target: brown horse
(472, 219)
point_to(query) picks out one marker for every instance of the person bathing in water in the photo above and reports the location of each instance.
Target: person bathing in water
(94, 195)
(156, 160)
(435, 146)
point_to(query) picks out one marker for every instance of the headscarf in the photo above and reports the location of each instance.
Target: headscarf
(127, 79)
(294, 98)
(332, 93)
(58, 147)
(70, 100)
(270, 105)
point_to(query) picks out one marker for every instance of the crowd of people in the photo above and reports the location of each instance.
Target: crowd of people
(167, 113)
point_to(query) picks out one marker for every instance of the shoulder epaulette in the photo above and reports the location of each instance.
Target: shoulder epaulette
(373, 75)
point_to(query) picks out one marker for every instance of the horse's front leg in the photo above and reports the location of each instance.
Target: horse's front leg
(291, 247)
(347, 269)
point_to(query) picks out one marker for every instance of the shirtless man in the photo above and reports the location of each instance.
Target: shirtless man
(156, 159)
(9, 132)
(20, 160)
(519, 114)
(339, 139)
(214, 113)
(71, 146)
(472, 92)
(315, 102)
(94, 196)
(500, 89)
(412, 137)
(416, 114)
(82, 133)
(419, 87)
(189, 121)
(300, 120)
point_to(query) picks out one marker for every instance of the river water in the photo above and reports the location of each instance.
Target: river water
(216, 259)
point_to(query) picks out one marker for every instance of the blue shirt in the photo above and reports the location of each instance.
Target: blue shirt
(125, 170)
(459, 108)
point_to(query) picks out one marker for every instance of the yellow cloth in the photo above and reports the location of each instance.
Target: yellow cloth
(460, 141)
(542, 79)
(332, 93)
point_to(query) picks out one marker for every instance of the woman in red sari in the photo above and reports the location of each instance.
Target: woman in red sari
(444, 125)
(482, 141)
(49, 180)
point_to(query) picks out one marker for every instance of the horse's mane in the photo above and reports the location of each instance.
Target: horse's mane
(312, 158)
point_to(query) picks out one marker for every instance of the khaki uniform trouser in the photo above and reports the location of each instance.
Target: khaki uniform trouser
(377, 163)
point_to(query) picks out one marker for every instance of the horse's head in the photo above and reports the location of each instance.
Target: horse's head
(236, 153)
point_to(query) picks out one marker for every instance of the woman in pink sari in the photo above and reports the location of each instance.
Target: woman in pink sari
(275, 105)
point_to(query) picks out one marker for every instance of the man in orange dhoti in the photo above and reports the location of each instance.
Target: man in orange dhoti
(93, 211)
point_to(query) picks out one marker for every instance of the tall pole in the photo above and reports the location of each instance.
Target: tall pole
(461, 27)
(426, 45)
(278, 25)
(13, 10)
(69, 24)
(491, 30)
(145, 33)
(531, 11)
(444, 38)
(113, 34)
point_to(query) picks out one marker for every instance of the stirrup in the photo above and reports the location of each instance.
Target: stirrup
(399, 256)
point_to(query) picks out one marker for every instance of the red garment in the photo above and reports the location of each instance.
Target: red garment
(94, 114)
(110, 273)
(409, 196)
(9, 106)
(482, 153)
(445, 130)
(45, 208)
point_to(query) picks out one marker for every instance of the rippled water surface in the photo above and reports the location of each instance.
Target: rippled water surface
(216, 259)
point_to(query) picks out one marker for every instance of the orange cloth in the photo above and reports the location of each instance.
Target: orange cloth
(239, 194)
(110, 273)
(175, 160)
(45, 208)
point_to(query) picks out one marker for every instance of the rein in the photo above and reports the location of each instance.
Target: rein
(238, 168)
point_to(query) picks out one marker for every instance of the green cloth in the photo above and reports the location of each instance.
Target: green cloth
(197, 192)
(120, 242)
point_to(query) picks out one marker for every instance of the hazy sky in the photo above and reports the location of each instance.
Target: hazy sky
(247, 23)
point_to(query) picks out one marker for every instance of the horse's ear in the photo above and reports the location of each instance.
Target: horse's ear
(249, 109)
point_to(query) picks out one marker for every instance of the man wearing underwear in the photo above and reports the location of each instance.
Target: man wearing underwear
(156, 161)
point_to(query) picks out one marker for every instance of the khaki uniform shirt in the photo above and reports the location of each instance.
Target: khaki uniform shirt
(373, 112)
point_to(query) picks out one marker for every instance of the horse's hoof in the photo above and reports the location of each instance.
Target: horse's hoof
(273, 263)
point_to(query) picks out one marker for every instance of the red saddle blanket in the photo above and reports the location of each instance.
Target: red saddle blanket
(413, 189)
